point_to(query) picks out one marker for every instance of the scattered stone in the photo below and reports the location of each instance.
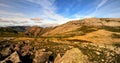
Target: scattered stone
(98, 53)
(102, 59)
(42, 50)
(71, 46)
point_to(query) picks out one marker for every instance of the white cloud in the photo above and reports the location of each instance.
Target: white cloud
(16, 22)
(48, 13)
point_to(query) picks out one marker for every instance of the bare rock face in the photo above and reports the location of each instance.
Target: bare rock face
(72, 56)
(41, 57)
(13, 58)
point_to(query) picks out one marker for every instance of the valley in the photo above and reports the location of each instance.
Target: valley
(89, 40)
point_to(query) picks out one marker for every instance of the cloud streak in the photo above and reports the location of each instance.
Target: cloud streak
(49, 12)
(55, 11)
(8, 13)
(101, 3)
(4, 5)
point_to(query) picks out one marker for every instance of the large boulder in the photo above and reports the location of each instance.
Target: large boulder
(13, 58)
(72, 56)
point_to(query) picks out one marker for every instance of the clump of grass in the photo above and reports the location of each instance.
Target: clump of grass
(77, 40)
(112, 29)
(115, 35)
(87, 29)
(116, 44)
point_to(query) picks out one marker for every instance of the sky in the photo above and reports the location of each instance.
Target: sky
(54, 12)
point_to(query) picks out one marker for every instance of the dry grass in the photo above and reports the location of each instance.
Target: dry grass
(100, 36)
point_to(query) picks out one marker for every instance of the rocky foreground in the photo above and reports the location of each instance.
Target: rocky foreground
(47, 51)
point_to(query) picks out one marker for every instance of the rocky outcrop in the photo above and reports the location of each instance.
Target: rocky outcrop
(13, 58)
(24, 48)
(5, 52)
(72, 56)
(41, 56)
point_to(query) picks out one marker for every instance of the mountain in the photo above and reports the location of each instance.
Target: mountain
(85, 25)
(19, 28)
(90, 40)
(12, 31)
(37, 31)
(69, 29)
(5, 31)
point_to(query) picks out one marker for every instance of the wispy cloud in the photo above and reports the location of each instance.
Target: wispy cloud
(4, 5)
(97, 9)
(101, 3)
(12, 18)
(36, 20)
(103, 10)
(16, 22)
(48, 13)
(8, 13)
(55, 11)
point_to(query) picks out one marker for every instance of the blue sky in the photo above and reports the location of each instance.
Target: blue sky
(54, 12)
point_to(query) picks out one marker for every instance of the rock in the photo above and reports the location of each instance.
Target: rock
(26, 50)
(98, 53)
(13, 58)
(41, 57)
(71, 46)
(6, 52)
(72, 56)
(57, 58)
(42, 50)
(27, 42)
(17, 48)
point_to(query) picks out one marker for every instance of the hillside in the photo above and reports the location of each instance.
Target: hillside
(88, 22)
(35, 31)
(21, 31)
(90, 40)
(13, 31)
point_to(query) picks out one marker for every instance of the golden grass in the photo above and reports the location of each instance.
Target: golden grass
(100, 36)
